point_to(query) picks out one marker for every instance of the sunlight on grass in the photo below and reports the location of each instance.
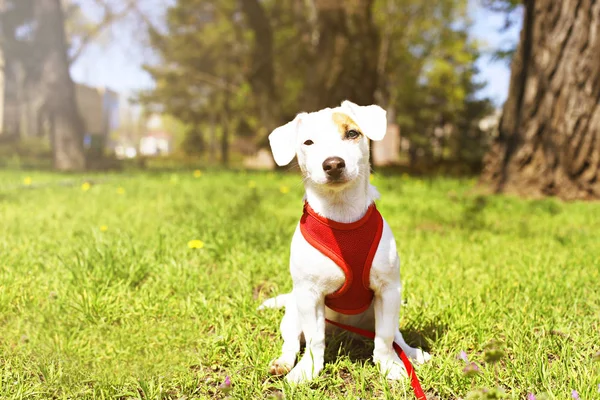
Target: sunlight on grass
(154, 294)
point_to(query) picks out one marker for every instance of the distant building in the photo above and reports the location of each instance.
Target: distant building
(99, 108)
(156, 140)
(155, 143)
(261, 160)
(387, 150)
(490, 123)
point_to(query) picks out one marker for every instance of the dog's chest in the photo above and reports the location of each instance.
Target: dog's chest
(311, 268)
(352, 247)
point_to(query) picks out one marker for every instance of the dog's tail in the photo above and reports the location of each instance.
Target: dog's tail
(275, 302)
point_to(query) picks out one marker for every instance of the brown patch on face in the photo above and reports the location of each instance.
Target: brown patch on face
(345, 124)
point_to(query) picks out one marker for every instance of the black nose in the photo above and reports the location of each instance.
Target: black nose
(334, 166)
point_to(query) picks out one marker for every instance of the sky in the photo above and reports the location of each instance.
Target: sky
(487, 28)
(116, 62)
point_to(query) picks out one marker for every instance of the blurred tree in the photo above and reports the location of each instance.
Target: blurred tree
(16, 28)
(427, 79)
(34, 40)
(200, 79)
(81, 30)
(513, 15)
(34, 34)
(2, 76)
(549, 135)
(257, 51)
(56, 87)
(342, 61)
(255, 64)
(2, 88)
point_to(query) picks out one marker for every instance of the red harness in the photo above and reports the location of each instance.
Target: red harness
(352, 247)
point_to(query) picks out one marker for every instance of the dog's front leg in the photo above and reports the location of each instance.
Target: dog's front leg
(290, 332)
(387, 310)
(311, 313)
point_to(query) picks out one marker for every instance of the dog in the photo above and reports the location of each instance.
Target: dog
(332, 150)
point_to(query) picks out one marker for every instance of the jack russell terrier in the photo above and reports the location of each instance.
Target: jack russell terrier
(343, 260)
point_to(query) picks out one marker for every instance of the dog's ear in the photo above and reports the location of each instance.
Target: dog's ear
(371, 119)
(283, 141)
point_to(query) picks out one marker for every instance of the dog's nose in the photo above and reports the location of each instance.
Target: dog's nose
(334, 166)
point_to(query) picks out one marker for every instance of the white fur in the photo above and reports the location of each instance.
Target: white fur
(314, 275)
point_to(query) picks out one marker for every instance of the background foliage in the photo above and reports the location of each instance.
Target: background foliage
(423, 70)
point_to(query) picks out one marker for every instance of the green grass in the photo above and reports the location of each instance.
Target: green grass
(132, 312)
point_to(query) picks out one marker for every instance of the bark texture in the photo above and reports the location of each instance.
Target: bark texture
(549, 134)
(57, 88)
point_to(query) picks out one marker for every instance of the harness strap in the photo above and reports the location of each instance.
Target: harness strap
(414, 380)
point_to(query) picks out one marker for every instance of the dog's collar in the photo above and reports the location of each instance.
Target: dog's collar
(339, 225)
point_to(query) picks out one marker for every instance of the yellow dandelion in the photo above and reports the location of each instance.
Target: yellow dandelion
(120, 190)
(103, 228)
(251, 184)
(85, 186)
(284, 189)
(371, 177)
(27, 181)
(197, 173)
(195, 244)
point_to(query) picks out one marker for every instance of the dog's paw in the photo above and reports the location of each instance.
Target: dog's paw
(280, 367)
(392, 369)
(421, 357)
(305, 371)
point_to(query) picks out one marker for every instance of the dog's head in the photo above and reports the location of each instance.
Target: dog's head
(332, 144)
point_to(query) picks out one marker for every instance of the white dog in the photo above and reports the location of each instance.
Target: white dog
(337, 279)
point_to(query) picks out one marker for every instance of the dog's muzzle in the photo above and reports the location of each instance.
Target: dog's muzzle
(334, 168)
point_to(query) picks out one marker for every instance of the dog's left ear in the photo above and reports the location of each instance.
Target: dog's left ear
(371, 119)
(283, 141)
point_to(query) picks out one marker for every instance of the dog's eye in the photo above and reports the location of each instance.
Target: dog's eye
(352, 134)
(309, 142)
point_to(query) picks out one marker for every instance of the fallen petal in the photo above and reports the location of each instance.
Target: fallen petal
(463, 356)
(471, 369)
(226, 385)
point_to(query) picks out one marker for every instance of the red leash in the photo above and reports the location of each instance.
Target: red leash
(414, 380)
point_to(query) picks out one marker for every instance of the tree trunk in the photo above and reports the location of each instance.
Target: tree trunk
(345, 59)
(212, 147)
(194, 142)
(225, 145)
(549, 134)
(227, 124)
(2, 87)
(261, 75)
(58, 89)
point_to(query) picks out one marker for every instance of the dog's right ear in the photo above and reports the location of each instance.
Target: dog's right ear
(283, 141)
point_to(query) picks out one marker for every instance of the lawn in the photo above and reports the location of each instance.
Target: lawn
(101, 295)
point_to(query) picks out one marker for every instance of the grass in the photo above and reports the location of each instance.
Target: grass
(101, 297)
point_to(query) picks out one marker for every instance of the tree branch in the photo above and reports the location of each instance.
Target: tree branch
(109, 18)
